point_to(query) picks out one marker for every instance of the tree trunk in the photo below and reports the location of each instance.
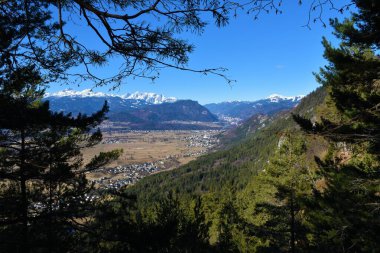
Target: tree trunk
(24, 198)
(292, 223)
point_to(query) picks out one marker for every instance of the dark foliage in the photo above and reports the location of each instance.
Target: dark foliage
(43, 186)
(144, 34)
(345, 212)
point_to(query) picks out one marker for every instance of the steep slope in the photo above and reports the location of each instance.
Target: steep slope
(186, 110)
(88, 105)
(248, 127)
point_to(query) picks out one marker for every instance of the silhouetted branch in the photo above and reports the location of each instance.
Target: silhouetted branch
(145, 34)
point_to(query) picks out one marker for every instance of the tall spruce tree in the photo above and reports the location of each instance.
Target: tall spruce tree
(346, 211)
(43, 185)
(290, 177)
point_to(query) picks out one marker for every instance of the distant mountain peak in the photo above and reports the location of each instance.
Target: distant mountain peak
(277, 97)
(245, 109)
(148, 97)
(75, 93)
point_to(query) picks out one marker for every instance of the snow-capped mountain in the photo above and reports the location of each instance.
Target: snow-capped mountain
(135, 111)
(146, 109)
(275, 98)
(74, 93)
(148, 97)
(244, 109)
(151, 98)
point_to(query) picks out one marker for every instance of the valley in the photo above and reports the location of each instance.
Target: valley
(159, 133)
(146, 153)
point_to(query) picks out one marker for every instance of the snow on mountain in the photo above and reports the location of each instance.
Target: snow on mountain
(275, 98)
(74, 93)
(151, 98)
(148, 97)
(137, 111)
(245, 109)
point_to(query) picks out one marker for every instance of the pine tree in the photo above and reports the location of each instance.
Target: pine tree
(43, 193)
(290, 176)
(345, 212)
(146, 35)
(229, 221)
(120, 226)
(352, 79)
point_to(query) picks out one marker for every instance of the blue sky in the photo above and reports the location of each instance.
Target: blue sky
(274, 54)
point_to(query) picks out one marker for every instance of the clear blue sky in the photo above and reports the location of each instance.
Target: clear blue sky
(274, 54)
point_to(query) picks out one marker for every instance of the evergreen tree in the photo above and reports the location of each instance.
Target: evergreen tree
(44, 189)
(352, 79)
(285, 227)
(345, 212)
(120, 226)
(229, 222)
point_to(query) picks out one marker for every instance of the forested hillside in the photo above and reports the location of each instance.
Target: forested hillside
(226, 181)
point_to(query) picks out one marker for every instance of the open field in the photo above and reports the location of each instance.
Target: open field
(149, 152)
(149, 146)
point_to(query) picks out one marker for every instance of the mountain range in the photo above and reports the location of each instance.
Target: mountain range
(136, 111)
(238, 111)
(148, 97)
(88, 102)
(143, 111)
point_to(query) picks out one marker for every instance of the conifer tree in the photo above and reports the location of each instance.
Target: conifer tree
(44, 189)
(345, 212)
(352, 78)
(290, 176)
(120, 226)
(227, 228)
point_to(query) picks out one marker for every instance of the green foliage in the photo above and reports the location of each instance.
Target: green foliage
(279, 192)
(228, 228)
(43, 186)
(145, 34)
(352, 79)
(231, 184)
(345, 213)
(103, 158)
(118, 226)
(291, 179)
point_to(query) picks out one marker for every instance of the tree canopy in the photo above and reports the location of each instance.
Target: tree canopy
(145, 34)
(42, 173)
(346, 212)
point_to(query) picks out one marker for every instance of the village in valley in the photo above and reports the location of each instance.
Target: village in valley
(148, 152)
